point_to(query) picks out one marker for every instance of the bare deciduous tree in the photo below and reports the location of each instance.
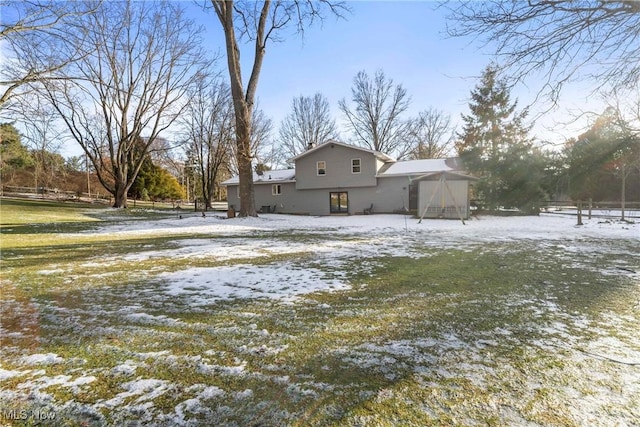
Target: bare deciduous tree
(42, 134)
(308, 124)
(431, 135)
(261, 129)
(625, 104)
(563, 39)
(209, 126)
(258, 22)
(376, 118)
(129, 87)
(32, 32)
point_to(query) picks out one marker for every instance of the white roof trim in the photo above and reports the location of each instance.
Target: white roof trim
(377, 154)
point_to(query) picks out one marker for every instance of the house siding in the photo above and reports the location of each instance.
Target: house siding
(338, 168)
(264, 197)
(317, 201)
(387, 198)
(392, 195)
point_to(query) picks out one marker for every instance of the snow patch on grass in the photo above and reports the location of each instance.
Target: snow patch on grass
(42, 359)
(149, 319)
(204, 286)
(143, 389)
(7, 374)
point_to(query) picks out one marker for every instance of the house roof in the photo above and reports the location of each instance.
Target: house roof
(267, 177)
(381, 156)
(418, 167)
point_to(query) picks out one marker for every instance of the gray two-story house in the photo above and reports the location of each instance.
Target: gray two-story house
(338, 178)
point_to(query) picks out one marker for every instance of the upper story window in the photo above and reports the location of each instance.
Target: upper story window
(276, 189)
(321, 167)
(356, 165)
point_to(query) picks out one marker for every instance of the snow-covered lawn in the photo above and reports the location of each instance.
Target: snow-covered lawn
(293, 320)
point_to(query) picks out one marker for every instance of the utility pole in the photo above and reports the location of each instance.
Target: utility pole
(86, 160)
(623, 197)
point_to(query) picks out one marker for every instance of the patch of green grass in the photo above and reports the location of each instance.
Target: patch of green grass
(16, 212)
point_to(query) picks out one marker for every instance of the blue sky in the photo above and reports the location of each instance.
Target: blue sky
(406, 40)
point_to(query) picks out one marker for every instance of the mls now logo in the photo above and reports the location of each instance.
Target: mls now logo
(23, 414)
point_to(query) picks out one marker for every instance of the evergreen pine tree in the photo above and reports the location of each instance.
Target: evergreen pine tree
(495, 146)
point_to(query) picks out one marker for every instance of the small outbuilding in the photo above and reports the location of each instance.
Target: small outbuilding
(444, 195)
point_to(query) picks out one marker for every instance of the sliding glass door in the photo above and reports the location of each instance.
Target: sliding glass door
(339, 202)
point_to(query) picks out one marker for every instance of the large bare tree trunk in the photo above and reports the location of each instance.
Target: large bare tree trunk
(121, 186)
(245, 169)
(243, 102)
(120, 195)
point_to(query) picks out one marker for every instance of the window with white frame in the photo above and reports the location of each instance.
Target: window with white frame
(321, 167)
(356, 165)
(276, 189)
